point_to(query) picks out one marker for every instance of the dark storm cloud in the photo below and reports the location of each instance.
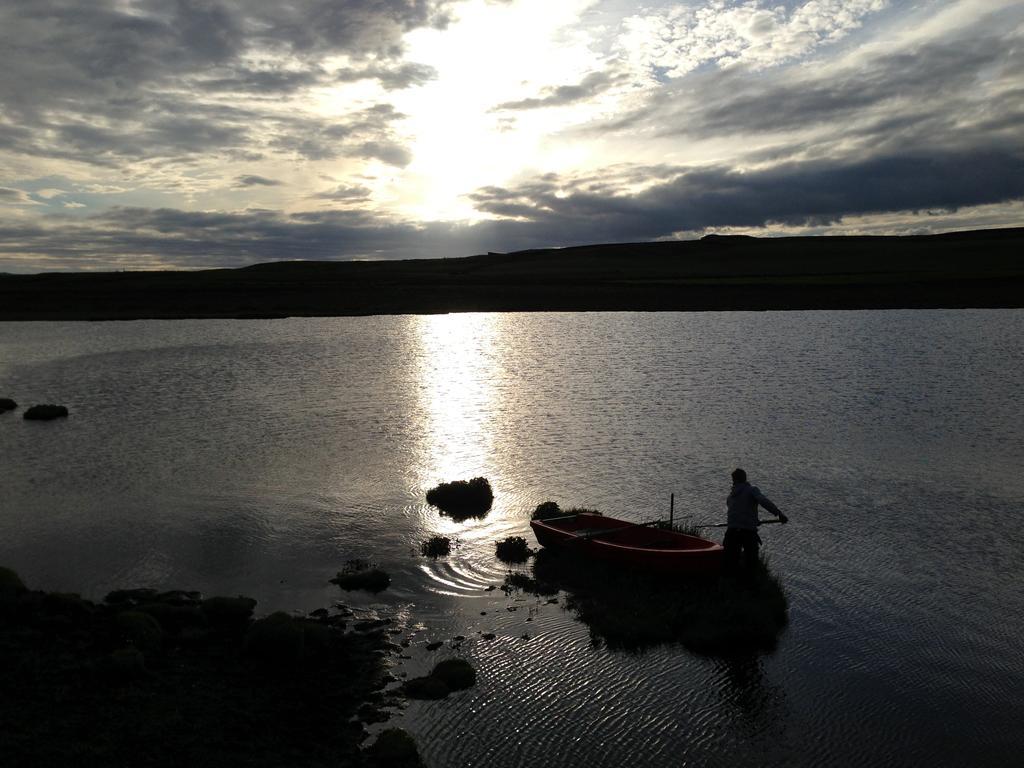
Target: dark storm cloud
(549, 211)
(590, 86)
(817, 192)
(104, 80)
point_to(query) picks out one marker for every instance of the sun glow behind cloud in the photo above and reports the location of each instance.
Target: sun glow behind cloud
(493, 53)
(225, 132)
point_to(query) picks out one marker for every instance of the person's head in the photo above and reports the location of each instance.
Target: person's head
(738, 476)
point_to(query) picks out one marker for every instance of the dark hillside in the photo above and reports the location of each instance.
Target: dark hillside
(981, 268)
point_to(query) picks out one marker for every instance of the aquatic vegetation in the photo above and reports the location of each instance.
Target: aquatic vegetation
(550, 509)
(447, 676)
(362, 574)
(514, 549)
(394, 748)
(84, 679)
(6, 404)
(634, 610)
(526, 583)
(463, 498)
(45, 412)
(436, 546)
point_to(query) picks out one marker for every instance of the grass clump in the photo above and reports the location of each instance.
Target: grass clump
(6, 404)
(447, 676)
(362, 574)
(45, 412)
(550, 509)
(394, 748)
(463, 498)
(513, 549)
(634, 610)
(436, 546)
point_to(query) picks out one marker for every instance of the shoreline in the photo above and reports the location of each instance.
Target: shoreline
(975, 269)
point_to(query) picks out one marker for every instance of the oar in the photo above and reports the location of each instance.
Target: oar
(595, 534)
(726, 525)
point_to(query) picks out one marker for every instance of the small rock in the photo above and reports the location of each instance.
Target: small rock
(488, 636)
(45, 412)
(513, 608)
(490, 588)
(458, 638)
(434, 646)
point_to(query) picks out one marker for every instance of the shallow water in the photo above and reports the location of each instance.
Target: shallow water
(257, 457)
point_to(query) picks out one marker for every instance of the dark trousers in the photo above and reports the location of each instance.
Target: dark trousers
(740, 551)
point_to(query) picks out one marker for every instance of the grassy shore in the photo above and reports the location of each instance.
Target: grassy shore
(962, 269)
(170, 679)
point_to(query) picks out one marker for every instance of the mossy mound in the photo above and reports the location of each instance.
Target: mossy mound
(463, 498)
(11, 584)
(633, 610)
(277, 640)
(139, 630)
(362, 574)
(447, 676)
(546, 511)
(394, 748)
(45, 412)
(105, 684)
(514, 549)
(6, 404)
(436, 546)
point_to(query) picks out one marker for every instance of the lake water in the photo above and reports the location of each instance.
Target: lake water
(256, 457)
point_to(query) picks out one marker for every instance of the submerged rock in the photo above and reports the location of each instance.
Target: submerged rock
(447, 676)
(45, 412)
(394, 748)
(6, 404)
(361, 574)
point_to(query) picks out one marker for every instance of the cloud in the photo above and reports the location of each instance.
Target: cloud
(593, 84)
(251, 180)
(798, 193)
(114, 80)
(345, 193)
(677, 40)
(11, 196)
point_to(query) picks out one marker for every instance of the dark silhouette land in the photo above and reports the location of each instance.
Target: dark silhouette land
(979, 268)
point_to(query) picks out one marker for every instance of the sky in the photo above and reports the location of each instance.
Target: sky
(158, 134)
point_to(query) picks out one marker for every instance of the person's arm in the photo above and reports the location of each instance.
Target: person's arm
(765, 502)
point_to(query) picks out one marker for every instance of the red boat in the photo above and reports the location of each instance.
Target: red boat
(636, 545)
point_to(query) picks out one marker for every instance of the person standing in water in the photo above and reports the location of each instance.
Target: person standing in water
(741, 539)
